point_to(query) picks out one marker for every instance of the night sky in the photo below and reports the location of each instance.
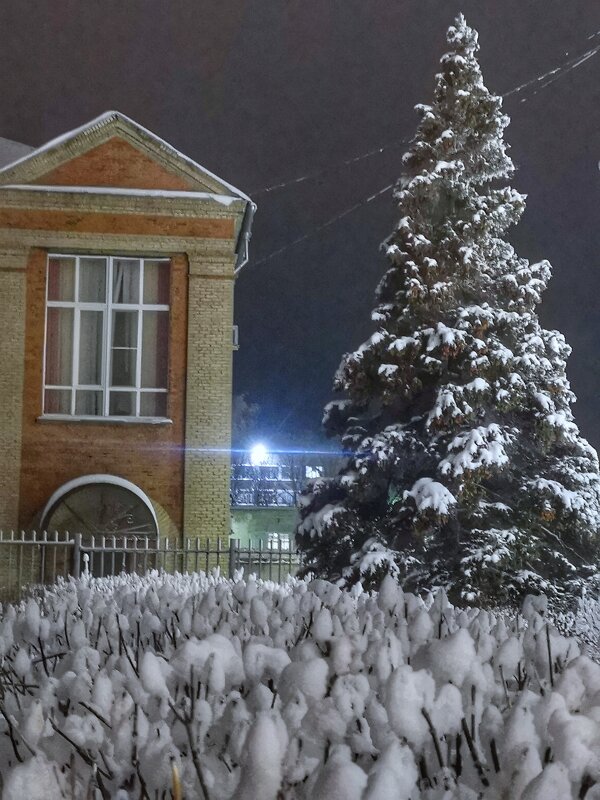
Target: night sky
(266, 92)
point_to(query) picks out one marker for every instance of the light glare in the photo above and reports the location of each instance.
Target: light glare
(258, 454)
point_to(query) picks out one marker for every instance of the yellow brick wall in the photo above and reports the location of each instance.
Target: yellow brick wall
(150, 456)
(203, 508)
(12, 336)
(208, 399)
(185, 468)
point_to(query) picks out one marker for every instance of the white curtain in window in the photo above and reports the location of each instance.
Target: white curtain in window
(92, 280)
(126, 281)
(59, 347)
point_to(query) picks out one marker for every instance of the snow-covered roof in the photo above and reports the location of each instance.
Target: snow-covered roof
(12, 151)
(112, 123)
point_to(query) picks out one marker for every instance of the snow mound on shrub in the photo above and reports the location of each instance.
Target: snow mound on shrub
(250, 689)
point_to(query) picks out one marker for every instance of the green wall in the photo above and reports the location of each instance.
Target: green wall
(254, 523)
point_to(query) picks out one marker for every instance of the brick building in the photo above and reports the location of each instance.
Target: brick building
(118, 256)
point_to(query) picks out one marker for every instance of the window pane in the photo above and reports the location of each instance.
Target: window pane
(57, 401)
(126, 281)
(92, 280)
(89, 403)
(90, 347)
(59, 347)
(61, 279)
(156, 282)
(155, 348)
(122, 404)
(123, 367)
(153, 404)
(124, 328)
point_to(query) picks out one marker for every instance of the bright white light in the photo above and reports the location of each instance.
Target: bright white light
(258, 454)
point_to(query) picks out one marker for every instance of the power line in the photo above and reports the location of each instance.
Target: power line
(332, 167)
(546, 78)
(552, 76)
(557, 72)
(319, 228)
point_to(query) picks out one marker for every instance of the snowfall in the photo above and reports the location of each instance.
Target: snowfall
(195, 686)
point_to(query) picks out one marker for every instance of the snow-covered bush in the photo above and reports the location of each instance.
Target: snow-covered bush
(249, 689)
(583, 622)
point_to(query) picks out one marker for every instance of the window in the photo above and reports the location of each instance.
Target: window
(107, 328)
(278, 541)
(268, 473)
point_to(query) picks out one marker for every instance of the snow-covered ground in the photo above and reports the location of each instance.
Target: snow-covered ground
(253, 690)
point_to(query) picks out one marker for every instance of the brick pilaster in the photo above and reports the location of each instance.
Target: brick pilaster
(13, 265)
(208, 397)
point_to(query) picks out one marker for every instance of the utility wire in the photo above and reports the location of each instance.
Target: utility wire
(332, 167)
(558, 72)
(544, 80)
(552, 75)
(319, 228)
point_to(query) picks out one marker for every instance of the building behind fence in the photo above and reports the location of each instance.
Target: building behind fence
(30, 559)
(266, 488)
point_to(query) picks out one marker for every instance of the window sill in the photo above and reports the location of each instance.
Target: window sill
(62, 418)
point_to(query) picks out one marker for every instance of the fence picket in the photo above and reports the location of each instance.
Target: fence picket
(34, 558)
(43, 557)
(20, 565)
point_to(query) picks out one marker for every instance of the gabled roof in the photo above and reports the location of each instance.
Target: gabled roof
(31, 166)
(10, 151)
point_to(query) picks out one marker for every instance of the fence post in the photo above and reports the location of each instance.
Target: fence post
(234, 546)
(76, 555)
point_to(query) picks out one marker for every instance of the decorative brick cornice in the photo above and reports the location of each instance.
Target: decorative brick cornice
(13, 259)
(173, 205)
(213, 252)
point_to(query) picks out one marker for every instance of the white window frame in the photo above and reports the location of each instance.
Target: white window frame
(107, 309)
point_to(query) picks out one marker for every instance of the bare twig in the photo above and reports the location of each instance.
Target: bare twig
(49, 656)
(96, 714)
(458, 759)
(549, 646)
(85, 757)
(186, 721)
(11, 735)
(473, 751)
(43, 655)
(123, 645)
(494, 752)
(434, 736)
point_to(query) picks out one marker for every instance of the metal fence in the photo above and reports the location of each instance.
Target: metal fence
(30, 558)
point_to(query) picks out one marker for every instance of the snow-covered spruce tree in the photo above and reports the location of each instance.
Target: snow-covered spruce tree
(467, 470)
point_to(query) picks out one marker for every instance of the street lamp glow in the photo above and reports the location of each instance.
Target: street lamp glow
(258, 454)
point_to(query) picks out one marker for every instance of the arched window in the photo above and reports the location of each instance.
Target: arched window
(100, 505)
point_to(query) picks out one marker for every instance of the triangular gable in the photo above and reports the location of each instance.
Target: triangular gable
(113, 150)
(115, 164)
